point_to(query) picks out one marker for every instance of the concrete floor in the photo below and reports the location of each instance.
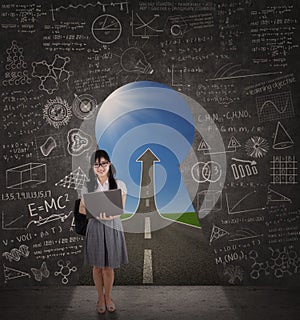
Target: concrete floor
(152, 302)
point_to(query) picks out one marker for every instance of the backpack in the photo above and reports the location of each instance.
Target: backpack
(80, 220)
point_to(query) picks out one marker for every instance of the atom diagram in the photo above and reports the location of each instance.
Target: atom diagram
(65, 270)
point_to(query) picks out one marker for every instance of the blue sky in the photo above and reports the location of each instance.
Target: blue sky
(143, 115)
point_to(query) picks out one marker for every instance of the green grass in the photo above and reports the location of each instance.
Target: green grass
(187, 217)
(125, 215)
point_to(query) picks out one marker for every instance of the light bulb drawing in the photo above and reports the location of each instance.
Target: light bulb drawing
(134, 60)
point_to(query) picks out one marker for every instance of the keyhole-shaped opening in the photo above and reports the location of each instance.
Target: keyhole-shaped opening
(148, 129)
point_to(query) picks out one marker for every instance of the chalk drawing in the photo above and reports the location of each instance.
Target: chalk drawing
(7, 226)
(275, 106)
(15, 254)
(29, 174)
(134, 60)
(41, 272)
(256, 147)
(84, 106)
(209, 200)
(103, 6)
(78, 142)
(217, 233)
(284, 170)
(11, 274)
(246, 168)
(275, 196)
(50, 146)
(206, 171)
(65, 270)
(244, 234)
(281, 263)
(50, 74)
(53, 217)
(282, 139)
(106, 29)
(233, 144)
(145, 29)
(16, 72)
(235, 71)
(75, 180)
(234, 272)
(177, 79)
(203, 145)
(57, 112)
(246, 203)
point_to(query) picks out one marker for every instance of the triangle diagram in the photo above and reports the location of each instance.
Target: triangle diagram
(233, 143)
(76, 180)
(282, 139)
(203, 145)
(11, 274)
(217, 233)
(274, 196)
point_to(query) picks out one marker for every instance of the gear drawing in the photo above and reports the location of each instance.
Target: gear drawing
(57, 112)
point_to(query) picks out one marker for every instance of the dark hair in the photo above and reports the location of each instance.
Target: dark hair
(92, 184)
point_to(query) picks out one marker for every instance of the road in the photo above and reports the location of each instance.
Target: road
(166, 253)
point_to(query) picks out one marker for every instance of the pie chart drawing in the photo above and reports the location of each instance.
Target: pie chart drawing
(106, 29)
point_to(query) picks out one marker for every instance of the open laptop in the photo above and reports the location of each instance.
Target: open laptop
(109, 202)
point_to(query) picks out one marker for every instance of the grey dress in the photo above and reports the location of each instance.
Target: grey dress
(105, 244)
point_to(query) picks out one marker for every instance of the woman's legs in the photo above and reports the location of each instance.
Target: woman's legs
(108, 281)
(98, 281)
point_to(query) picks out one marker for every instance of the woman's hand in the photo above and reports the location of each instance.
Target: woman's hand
(102, 216)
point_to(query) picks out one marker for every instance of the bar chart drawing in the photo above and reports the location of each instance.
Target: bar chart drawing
(243, 168)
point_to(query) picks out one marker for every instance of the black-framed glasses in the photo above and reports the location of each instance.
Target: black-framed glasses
(101, 164)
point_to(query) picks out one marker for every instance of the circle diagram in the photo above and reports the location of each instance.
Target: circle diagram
(84, 106)
(206, 171)
(106, 29)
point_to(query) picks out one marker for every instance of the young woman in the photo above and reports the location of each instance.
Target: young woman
(105, 247)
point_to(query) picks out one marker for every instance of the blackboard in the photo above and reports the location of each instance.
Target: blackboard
(234, 62)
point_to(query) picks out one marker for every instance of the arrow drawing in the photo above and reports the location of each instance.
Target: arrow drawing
(147, 201)
(252, 162)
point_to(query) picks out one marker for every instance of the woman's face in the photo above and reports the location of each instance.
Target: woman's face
(101, 167)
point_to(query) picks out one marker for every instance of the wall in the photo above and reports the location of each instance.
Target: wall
(235, 63)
